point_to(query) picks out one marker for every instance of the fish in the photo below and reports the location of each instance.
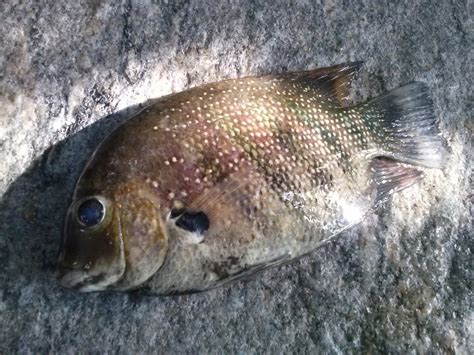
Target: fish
(228, 179)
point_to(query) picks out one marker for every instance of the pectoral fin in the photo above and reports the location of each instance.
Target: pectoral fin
(251, 270)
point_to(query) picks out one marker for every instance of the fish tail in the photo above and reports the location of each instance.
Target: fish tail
(405, 126)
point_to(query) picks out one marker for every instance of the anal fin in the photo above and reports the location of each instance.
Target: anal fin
(390, 176)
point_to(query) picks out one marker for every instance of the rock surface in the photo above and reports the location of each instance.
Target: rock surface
(71, 71)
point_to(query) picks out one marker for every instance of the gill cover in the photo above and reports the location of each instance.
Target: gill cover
(145, 239)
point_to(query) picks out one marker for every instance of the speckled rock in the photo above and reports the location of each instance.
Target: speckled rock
(70, 71)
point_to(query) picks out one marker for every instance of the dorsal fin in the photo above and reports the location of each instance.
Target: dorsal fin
(332, 82)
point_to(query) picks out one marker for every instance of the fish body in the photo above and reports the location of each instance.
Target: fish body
(226, 179)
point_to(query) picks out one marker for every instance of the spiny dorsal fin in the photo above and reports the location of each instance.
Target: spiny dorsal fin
(332, 82)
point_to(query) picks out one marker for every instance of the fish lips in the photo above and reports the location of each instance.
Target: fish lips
(80, 280)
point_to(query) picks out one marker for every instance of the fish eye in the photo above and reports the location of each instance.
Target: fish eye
(90, 212)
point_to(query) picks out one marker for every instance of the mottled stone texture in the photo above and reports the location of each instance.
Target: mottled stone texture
(72, 70)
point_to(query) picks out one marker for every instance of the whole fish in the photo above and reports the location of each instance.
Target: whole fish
(226, 179)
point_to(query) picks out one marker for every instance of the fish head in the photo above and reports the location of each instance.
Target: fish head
(113, 239)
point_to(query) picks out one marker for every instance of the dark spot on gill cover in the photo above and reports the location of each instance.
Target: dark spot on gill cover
(176, 212)
(196, 222)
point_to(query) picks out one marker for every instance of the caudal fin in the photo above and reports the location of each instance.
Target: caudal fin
(406, 126)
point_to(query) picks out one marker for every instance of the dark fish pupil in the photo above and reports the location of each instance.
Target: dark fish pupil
(192, 221)
(90, 212)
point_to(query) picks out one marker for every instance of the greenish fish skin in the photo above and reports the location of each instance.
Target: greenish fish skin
(224, 180)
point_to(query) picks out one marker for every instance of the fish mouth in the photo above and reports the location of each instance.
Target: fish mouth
(81, 280)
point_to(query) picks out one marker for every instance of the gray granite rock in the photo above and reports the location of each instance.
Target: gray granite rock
(70, 71)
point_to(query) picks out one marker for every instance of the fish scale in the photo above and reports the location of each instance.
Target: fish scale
(287, 145)
(224, 180)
